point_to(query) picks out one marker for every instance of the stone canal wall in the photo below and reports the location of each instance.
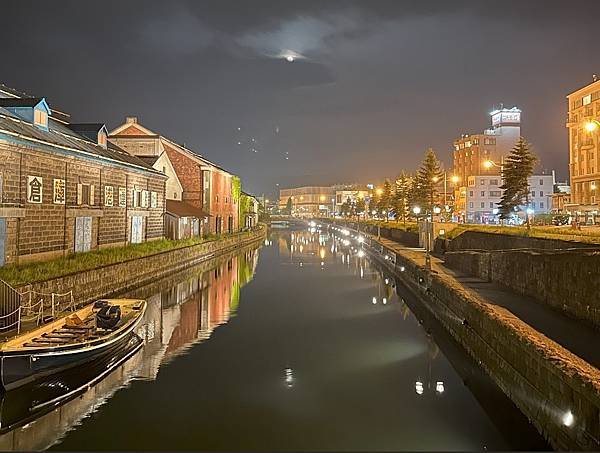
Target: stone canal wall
(567, 280)
(555, 389)
(480, 240)
(407, 238)
(108, 280)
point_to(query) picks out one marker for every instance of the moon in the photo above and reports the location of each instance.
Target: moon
(289, 58)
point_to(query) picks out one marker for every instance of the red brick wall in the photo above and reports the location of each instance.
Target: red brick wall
(189, 174)
(222, 205)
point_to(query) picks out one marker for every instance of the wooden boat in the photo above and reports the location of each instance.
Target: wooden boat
(68, 342)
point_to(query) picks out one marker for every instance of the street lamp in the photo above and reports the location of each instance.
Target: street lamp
(591, 125)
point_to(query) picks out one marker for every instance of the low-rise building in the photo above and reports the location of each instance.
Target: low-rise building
(483, 194)
(351, 194)
(249, 205)
(200, 193)
(64, 188)
(309, 201)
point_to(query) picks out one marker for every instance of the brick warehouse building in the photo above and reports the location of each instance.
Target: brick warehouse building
(64, 188)
(207, 189)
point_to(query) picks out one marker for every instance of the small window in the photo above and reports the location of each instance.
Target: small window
(541, 205)
(541, 182)
(533, 193)
(470, 193)
(483, 193)
(85, 194)
(102, 139)
(137, 198)
(40, 118)
(533, 205)
(482, 182)
(587, 99)
(471, 204)
(483, 204)
(493, 182)
(491, 204)
(541, 193)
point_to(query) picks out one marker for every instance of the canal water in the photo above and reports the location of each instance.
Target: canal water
(303, 344)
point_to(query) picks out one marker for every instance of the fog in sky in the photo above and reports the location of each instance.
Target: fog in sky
(370, 85)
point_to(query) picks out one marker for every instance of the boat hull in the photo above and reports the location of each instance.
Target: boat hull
(18, 368)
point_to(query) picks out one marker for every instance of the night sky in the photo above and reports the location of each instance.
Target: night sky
(372, 85)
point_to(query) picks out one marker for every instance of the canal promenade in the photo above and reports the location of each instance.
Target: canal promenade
(528, 349)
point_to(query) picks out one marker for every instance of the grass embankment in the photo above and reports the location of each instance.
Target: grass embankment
(410, 226)
(20, 274)
(591, 236)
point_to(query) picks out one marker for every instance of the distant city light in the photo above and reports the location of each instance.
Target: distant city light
(374, 300)
(361, 239)
(417, 210)
(361, 254)
(439, 387)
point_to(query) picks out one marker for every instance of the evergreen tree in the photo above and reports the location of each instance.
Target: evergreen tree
(288, 206)
(427, 180)
(361, 206)
(385, 200)
(402, 197)
(517, 169)
(373, 204)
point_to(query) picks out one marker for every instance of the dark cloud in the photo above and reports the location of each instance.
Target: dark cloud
(375, 82)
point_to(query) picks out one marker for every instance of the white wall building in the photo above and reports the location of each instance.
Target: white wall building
(483, 195)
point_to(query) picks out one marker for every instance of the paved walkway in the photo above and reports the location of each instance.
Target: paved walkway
(579, 338)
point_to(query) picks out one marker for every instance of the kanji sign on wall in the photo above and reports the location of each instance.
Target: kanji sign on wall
(108, 196)
(58, 191)
(34, 189)
(122, 197)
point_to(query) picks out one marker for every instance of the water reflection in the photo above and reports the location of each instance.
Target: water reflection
(326, 352)
(183, 310)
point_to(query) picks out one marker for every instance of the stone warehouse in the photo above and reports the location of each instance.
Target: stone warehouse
(64, 188)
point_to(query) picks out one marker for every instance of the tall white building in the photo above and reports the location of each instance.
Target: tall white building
(483, 195)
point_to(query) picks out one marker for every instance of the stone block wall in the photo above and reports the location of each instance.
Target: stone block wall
(567, 280)
(41, 231)
(555, 389)
(108, 280)
(478, 240)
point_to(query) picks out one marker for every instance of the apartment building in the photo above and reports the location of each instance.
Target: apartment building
(482, 196)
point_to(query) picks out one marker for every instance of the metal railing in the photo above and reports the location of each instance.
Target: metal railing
(10, 307)
(32, 307)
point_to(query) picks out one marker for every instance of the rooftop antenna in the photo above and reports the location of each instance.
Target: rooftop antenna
(594, 77)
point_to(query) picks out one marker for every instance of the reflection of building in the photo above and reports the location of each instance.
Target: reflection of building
(309, 201)
(584, 161)
(482, 196)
